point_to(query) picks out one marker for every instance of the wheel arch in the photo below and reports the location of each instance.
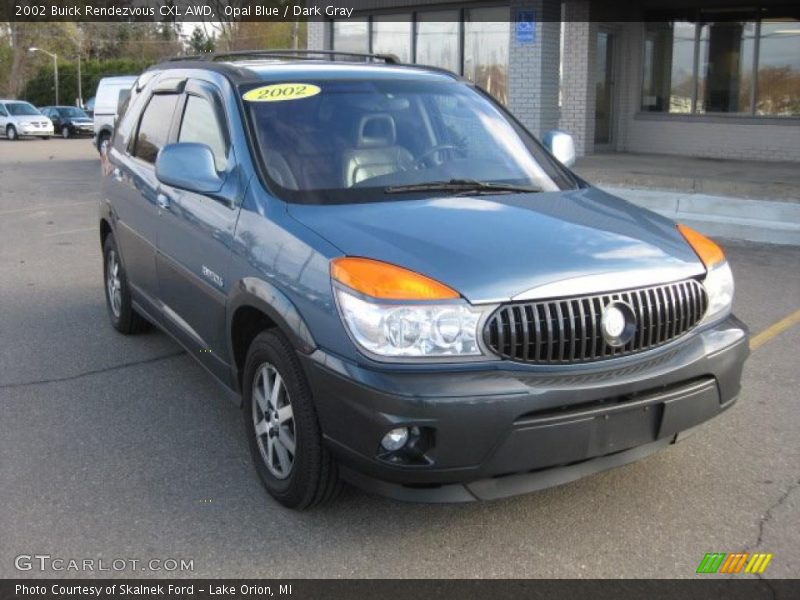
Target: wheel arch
(105, 231)
(254, 306)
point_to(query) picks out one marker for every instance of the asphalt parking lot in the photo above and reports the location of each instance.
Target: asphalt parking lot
(119, 447)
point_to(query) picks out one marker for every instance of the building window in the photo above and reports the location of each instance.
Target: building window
(474, 42)
(709, 67)
(725, 67)
(669, 67)
(778, 80)
(391, 34)
(486, 47)
(438, 40)
(351, 35)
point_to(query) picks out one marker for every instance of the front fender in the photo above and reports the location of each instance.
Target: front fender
(262, 295)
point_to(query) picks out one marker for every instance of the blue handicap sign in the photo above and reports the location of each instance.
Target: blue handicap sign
(525, 26)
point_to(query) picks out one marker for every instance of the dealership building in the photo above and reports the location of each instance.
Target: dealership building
(718, 80)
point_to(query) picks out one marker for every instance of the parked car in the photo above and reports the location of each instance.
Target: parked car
(111, 94)
(19, 118)
(401, 286)
(69, 121)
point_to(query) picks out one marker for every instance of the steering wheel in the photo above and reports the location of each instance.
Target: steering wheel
(420, 159)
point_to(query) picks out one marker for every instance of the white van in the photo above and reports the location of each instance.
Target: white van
(111, 93)
(19, 118)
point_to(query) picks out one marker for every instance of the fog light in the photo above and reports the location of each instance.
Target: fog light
(395, 439)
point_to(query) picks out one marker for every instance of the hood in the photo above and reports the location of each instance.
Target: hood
(512, 246)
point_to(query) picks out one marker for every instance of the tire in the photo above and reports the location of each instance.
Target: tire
(118, 298)
(102, 141)
(65, 133)
(11, 133)
(311, 478)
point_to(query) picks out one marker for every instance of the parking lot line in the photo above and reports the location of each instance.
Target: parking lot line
(11, 211)
(770, 332)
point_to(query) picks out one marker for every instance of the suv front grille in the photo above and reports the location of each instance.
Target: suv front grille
(568, 330)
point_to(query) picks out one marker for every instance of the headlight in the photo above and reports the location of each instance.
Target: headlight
(410, 330)
(393, 312)
(719, 287)
(719, 279)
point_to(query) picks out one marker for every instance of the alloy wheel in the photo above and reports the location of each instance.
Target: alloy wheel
(273, 420)
(113, 284)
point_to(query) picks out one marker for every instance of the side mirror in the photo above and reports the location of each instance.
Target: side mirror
(561, 145)
(188, 166)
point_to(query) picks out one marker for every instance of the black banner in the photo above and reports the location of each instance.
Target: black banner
(387, 589)
(303, 10)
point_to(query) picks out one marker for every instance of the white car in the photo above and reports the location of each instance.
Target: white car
(19, 118)
(111, 93)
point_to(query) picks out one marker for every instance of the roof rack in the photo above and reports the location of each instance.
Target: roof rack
(289, 54)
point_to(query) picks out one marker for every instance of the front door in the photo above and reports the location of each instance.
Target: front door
(604, 91)
(195, 237)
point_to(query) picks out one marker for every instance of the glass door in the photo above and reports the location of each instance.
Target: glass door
(604, 90)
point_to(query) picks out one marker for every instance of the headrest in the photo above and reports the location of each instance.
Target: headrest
(376, 131)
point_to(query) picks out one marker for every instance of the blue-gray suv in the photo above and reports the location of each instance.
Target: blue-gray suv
(400, 285)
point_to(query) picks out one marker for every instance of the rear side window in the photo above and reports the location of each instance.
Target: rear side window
(200, 125)
(3, 112)
(154, 126)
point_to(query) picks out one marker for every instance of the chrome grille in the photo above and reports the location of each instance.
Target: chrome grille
(568, 330)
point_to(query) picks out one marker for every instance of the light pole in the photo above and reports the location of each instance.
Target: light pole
(55, 65)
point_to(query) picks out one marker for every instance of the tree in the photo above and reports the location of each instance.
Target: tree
(200, 42)
(39, 89)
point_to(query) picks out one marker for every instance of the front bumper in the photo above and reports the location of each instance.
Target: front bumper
(83, 129)
(34, 130)
(498, 428)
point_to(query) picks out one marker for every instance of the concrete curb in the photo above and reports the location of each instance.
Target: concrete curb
(722, 216)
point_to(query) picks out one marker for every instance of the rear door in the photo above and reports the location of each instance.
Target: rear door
(196, 233)
(134, 191)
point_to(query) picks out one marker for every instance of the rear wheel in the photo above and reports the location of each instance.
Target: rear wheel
(282, 428)
(102, 142)
(11, 133)
(118, 297)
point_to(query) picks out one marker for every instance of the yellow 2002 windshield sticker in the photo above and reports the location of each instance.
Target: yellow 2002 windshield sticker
(279, 92)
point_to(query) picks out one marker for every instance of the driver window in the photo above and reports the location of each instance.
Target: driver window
(200, 125)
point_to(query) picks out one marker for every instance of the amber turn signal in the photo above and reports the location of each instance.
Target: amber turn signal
(708, 251)
(390, 282)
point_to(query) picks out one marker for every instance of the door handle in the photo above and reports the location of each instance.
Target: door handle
(162, 200)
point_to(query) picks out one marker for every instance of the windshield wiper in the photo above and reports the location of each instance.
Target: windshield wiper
(472, 186)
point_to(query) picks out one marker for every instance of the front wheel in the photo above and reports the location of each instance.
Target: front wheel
(11, 133)
(118, 296)
(282, 428)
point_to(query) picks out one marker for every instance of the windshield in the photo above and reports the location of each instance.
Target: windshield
(356, 141)
(22, 109)
(72, 112)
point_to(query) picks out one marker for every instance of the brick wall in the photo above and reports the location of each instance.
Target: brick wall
(578, 75)
(533, 69)
(317, 34)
